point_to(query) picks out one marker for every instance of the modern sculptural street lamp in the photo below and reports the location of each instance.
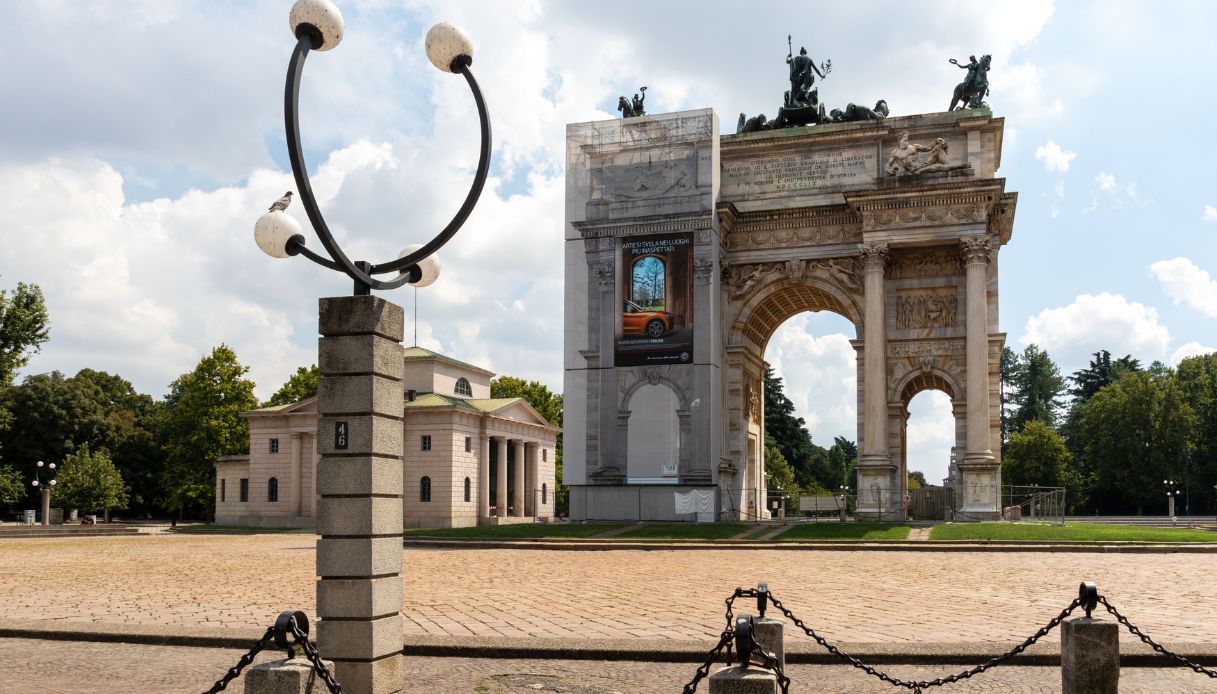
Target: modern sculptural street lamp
(360, 393)
(44, 485)
(318, 25)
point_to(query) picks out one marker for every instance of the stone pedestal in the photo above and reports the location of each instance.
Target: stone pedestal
(360, 399)
(295, 676)
(769, 633)
(1090, 657)
(743, 679)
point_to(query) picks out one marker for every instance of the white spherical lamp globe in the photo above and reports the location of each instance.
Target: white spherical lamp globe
(445, 42)
(429, 266)
(272, 232)
(321, 14)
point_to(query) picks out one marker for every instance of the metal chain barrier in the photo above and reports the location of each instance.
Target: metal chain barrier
(242, 662)
(918, 686)
(1132, 628)
(295, 623)
(750, 652)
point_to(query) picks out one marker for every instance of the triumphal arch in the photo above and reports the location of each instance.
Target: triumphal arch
(686, 249)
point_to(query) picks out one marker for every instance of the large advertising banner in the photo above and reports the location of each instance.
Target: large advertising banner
(657, 308)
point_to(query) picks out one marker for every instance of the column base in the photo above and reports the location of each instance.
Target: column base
(878, 491)
(979, 487)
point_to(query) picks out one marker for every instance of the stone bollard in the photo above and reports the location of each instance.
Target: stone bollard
(1090, 656)
(768, 633)
(743, 679)
(294, 676)
(360, 398)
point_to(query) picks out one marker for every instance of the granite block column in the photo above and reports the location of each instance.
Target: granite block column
(360, 399)
(979, 470)
(517, 495)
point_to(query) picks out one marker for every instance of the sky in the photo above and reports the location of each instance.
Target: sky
(141, 140)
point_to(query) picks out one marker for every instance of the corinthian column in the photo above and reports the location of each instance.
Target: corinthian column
(874, 359)
(976, 261)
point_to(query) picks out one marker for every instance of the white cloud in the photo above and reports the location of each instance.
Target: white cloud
(820, 377)
(1106, 181)
(1210, 213)
(931, 434)
(1094, 322)
(1055, 158)
(1190, 349)
(1185, 283)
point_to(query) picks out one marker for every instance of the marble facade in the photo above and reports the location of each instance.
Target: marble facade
(779, 222)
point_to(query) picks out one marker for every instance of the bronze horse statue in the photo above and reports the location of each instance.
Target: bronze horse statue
(970, 92)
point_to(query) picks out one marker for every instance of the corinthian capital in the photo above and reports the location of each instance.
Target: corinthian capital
(974, 249)
(874, 256)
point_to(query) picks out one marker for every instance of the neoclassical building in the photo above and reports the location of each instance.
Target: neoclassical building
(469, 459)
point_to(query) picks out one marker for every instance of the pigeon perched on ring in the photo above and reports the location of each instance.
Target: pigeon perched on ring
(282, 203)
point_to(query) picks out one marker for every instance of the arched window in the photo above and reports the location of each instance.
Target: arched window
(647, 283)
(467, 490)
(272, 489)
(424, 489)
(544, 492)
(462, 387)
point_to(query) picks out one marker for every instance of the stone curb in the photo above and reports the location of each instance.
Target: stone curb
(925, 546)
(635, 650)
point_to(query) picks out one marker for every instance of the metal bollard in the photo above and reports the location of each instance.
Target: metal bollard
(1090, 650)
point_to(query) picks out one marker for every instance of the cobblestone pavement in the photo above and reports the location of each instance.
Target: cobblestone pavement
(871, 596)
(56, 667)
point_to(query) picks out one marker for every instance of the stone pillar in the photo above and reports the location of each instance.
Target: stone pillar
(484, 477)
(500, 492)
(359, 479)
(979, 468)
(531, 499)
(1090, 656)
(295, 493)
(875, 462)
(46, 504)
(517, 499)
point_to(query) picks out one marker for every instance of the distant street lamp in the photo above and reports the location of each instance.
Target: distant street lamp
(1171, 494)
(45, 487)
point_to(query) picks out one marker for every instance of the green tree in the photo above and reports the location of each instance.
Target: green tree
(549, 405)
(1101, 372)
(201, 422)
(781, 475)
(1036, 389)
(1197, 377)
(1136, 432)
(1036, 455)
(90, 482)
(812, 464)
(300, 386)
(917, 480)
(24, 326)
(11, 488)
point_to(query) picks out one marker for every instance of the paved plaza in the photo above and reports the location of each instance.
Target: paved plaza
(241, 582)
(68, 668)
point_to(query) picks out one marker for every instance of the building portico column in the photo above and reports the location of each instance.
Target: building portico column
(295, 494)
(517, 498)
(500, 493)
(875, 463)
(484, 477)
(979, 468)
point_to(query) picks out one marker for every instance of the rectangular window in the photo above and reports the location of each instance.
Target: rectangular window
(544, 455)
(244, 490)
(426, 443)
(274, 445)
(468, 444)
(222, 489)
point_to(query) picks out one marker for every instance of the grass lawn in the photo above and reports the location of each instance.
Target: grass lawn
(686, 531)
(520, 530)
(845, 531)
(226, 529)
(1096, 532)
